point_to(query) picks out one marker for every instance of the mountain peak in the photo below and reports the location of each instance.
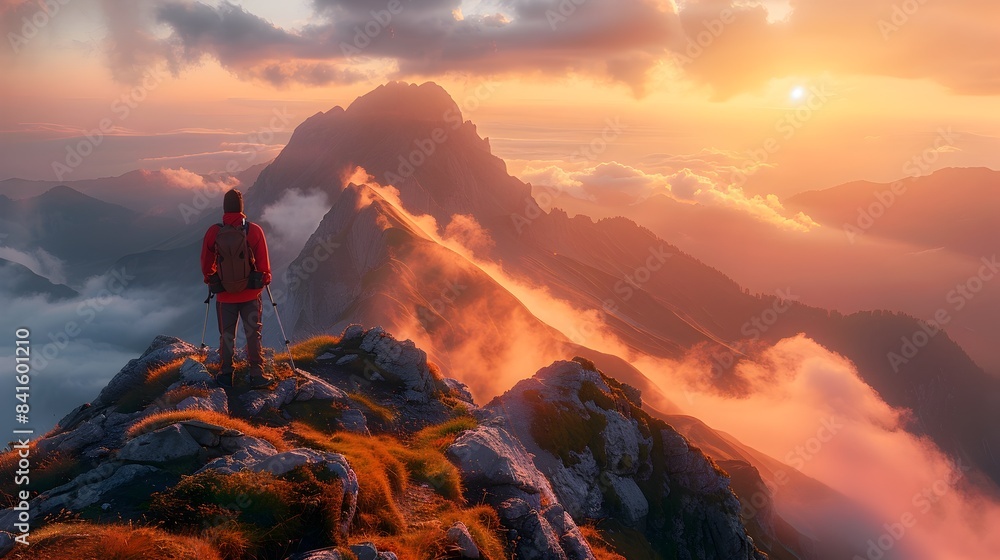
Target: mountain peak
(401, 100)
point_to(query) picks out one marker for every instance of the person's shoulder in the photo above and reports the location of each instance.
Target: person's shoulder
(212, 228)
(253, 228)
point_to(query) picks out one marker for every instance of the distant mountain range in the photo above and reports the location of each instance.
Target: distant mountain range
(952, 209)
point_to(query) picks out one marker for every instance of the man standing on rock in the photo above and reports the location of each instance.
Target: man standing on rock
(235, 265)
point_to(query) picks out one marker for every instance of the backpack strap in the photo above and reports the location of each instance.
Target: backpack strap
(246, 232)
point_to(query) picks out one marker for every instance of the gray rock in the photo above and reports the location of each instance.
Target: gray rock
(216, 401)
(489, 456)
(326, 356)
(205, 438)
(90, 488)
(70, 443)
(353, 420)
(77, 415)
(281, 463)
(163, 349)
(214, 428)
(460, 390)
(315, 388)
(400, 359)
(352, 333)
(344, 360)
(628, 499)
(706, 525)
(167, 444)
(688, 469)
(193, 371)
(241, 459)
(496, 466)
(325, 554)
(232, 444)
(365, 551)
(459, 536)
(256, 401)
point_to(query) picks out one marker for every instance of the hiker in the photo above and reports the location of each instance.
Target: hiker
(235, 265)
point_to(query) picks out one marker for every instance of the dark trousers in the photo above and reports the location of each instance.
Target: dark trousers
(230, 315)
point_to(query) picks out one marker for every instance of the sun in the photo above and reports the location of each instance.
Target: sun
(798, 93)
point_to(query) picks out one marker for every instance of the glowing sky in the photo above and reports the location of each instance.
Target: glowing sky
(793, 95)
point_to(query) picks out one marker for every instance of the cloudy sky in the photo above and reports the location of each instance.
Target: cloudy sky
(706, 100)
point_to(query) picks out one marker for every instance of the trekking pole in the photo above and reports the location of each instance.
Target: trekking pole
(205, 326)
(280, 327)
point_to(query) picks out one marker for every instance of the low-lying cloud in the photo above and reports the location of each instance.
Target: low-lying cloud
(39, 261)
(616, 184)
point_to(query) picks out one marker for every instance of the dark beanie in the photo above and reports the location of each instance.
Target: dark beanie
(233, 201)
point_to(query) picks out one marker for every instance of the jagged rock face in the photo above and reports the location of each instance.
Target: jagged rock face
(496, 468)
(605, 457)
(413, 137)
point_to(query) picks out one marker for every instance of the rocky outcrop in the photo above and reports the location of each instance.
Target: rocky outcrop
(605, 457)
(497, 469)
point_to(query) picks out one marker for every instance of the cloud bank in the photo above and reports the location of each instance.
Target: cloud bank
(731, 46)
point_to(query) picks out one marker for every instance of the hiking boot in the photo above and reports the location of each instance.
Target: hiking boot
(224, 379)
(255, 377)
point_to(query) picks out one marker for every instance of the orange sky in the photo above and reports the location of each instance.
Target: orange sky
(827, 91)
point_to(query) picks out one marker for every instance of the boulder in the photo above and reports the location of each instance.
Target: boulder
(365, 551)
(315, 388)
(165, 445)
(193, 372)
(353, 420)
(241, 459)
(496, 467)
(89, 488)
(72, 442)
(458, 536)
(627, 499)
(163, 349)
(400, 359)
(216, 401)
(256, 401)
(325, 554)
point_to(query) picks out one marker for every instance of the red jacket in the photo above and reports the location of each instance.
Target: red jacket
(258, 245)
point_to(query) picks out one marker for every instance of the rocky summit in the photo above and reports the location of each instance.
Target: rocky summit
(367, 451)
